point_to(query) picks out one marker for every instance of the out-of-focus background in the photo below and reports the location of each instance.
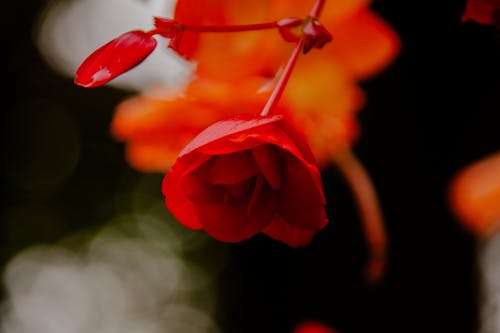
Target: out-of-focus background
(63, 178)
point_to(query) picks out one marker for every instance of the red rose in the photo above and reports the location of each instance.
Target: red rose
(243, 176)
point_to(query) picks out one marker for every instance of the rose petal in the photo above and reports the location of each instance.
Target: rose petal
(301, 197)
(191, 163)
(233, 168)
(197, 189)
(280, 230)
(225, 128)
(268, 159)
(259, 187)
(278, 132)
(283, 135)
(239, 191)
(195, 179)
(232, 223)
(299, 140)
(177, 202)
(114, 58)
(232, 200)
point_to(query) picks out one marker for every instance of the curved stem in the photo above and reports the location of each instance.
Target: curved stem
(371, 215)
(283, 80)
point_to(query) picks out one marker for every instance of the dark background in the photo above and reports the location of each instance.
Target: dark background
(433, 111)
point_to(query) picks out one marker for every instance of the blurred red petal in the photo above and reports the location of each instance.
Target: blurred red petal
(150, 156)
(313, 327)
(475, 195)
(482, 11)
(364, 44)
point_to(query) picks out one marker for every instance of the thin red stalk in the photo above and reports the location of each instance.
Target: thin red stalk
(316, 10)
(155, 31)
(371, 216)
(283, 80)
(231, 28)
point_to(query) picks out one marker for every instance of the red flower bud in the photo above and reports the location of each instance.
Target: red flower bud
(243, 176)
(114, 58)
(316, 35)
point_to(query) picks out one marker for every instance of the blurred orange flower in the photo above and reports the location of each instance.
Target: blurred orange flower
(322, 95)
(363, 43)
(475, 195)
(157, 128)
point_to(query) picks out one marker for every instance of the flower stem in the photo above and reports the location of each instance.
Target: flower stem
(283, 80)
(371, 216)
(231, 28)
(316, 10)
(169, 28)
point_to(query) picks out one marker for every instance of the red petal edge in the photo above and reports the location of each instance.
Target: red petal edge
(225, 128)
(281, 231)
